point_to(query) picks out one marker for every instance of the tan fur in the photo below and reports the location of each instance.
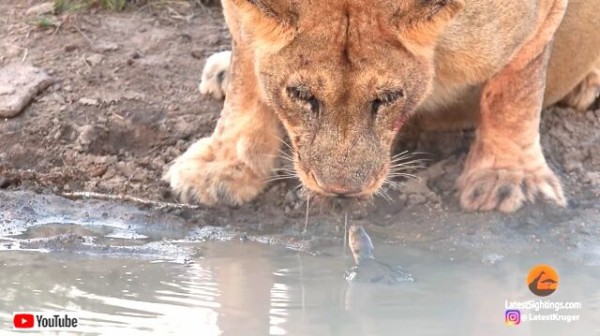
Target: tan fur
(343, 76)
(586, 92)
(215, 76)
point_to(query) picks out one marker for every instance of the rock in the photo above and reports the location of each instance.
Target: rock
(19, 83)
(10, 50)
(43, 8)
(94, 59)
(197, 54)
(4, 182)
(88, 101)
(102, 47)
(87, 135)
(71, 47)
(136, 55)
(97, 170)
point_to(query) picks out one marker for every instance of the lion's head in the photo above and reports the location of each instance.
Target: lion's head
(343, 76)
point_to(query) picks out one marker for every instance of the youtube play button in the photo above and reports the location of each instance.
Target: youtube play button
(23, 321)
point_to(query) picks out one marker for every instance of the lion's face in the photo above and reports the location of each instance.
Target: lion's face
(342, 102)
(343, 80)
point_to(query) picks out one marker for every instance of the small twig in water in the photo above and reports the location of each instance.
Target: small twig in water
(157, 204)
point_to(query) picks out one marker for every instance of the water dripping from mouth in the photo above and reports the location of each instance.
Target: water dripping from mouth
(307, 213)
(345, 230)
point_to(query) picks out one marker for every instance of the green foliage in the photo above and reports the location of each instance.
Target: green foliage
(62, 6)
(116, 5)
(44, 21)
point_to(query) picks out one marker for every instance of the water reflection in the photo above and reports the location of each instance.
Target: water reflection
(236, 289)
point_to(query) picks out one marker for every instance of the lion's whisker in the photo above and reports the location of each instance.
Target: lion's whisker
(281, 177)
(407, 160)
(282, 152)
(405, 167)
(284, 169)
(401, 153)
(407, 153)
(403, 175)
(287, 158)
(401, 157)
(392, 184)
(384, 195)
(282, 141)
(411, 159)
(292, 174)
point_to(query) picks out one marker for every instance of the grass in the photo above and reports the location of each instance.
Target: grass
(63, 6)
(56, 19)
(116, 5)
(45, 22)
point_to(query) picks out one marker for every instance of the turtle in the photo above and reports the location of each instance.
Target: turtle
(366, 269)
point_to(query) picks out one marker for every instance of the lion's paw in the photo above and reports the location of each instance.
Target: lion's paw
(215, 75)
(211, 175)
(506, 190)
(585, 93)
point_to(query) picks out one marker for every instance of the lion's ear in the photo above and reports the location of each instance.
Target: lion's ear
(421, 21)
(270, 24)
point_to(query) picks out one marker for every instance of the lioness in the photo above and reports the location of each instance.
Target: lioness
(344, 76)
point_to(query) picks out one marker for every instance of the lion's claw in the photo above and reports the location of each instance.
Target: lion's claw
(506, 190)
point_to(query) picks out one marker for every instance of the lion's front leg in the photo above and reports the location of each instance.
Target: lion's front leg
(506, 166)
(232, 165)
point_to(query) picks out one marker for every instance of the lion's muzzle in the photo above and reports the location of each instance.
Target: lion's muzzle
(353, 170)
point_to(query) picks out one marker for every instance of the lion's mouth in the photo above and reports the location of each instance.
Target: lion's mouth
(341, 191)
(402, 165)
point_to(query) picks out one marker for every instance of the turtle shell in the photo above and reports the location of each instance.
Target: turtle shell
(373, 271)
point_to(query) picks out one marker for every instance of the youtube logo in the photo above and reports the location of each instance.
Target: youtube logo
(45, 320)
(23, 321)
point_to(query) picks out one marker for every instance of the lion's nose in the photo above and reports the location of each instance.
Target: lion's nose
(337, 189)
(340, 191)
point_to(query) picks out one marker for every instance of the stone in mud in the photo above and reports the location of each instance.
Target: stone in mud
(4, 182)
(19, 83)
(104, 47)
(94, 59)
(88, 135)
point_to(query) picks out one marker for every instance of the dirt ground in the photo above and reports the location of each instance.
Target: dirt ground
(125, 103)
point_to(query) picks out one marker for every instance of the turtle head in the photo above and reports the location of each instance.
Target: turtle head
(360, 244)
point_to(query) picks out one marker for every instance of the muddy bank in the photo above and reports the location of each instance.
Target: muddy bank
(124, 103)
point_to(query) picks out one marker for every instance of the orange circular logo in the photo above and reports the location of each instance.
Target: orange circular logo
(542, 280)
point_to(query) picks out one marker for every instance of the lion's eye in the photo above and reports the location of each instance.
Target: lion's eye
(303, 96)
(387, 98)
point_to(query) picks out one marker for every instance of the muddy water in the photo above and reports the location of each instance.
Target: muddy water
(251, 289)
(133, 271)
